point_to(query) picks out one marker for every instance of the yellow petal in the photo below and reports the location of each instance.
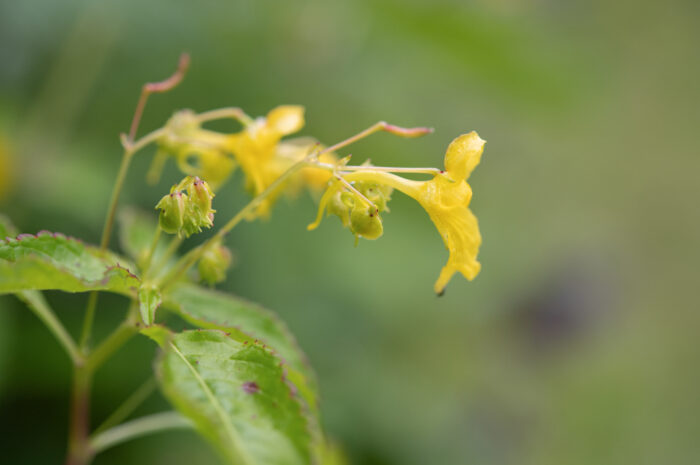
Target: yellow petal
(447, 205)
(460, 231)
(330, 192)
(463, 154)
(212, 165)
(317, 178)
(286, 119)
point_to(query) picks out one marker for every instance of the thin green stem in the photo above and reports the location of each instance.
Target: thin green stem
(88, 320)
(161, 86)
(36, 302)
(407, 186)
(136, 428)
(114, 199)
(225, 113)
(79, 452)
(389, 169)
(175, 244)
(145, 267)
(380, 126)
(129, 151)
(129, 405)
(114, 341)
(352, 188)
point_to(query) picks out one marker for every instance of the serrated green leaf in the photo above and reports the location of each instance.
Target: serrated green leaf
(54, 261)
(149, 301)
(237, 394)
(7, 229)
(206, 308)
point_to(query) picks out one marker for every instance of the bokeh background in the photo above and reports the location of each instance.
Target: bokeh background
(577, 344)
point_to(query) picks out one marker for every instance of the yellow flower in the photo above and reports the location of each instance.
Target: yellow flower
(263, 157)
(447, 201)
(208, 163)
(198, 152)
(446, 198)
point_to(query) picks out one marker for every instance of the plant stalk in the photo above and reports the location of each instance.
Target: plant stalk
(136, 428)
(78, 445)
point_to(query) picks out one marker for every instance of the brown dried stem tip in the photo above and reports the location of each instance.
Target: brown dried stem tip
(157, 87)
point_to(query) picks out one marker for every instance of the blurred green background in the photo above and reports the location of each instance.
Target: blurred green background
(577, 344)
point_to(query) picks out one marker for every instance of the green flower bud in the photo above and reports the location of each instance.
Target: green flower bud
(172, 212)
(192, 222)
(201, 194)
(186, 214)
(365, 222)
(214, 263)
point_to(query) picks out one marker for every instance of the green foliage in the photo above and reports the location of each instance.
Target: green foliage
(238, 395)
(149, 301)
(240, 377)
(247, 321)
(54, 261)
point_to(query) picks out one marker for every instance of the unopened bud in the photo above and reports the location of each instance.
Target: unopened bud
(201, 194)
(366, 222)
(214, 263)
(172, 212)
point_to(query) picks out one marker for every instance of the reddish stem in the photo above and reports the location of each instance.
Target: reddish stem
(157, 87)
(78, 445)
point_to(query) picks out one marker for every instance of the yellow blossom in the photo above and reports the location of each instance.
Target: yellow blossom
(197, 151)
(263, 157)
(209, 163)
(446, 198)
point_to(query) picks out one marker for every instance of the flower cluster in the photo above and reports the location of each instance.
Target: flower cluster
(357, 195)
(445, 197)
(258, 149)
